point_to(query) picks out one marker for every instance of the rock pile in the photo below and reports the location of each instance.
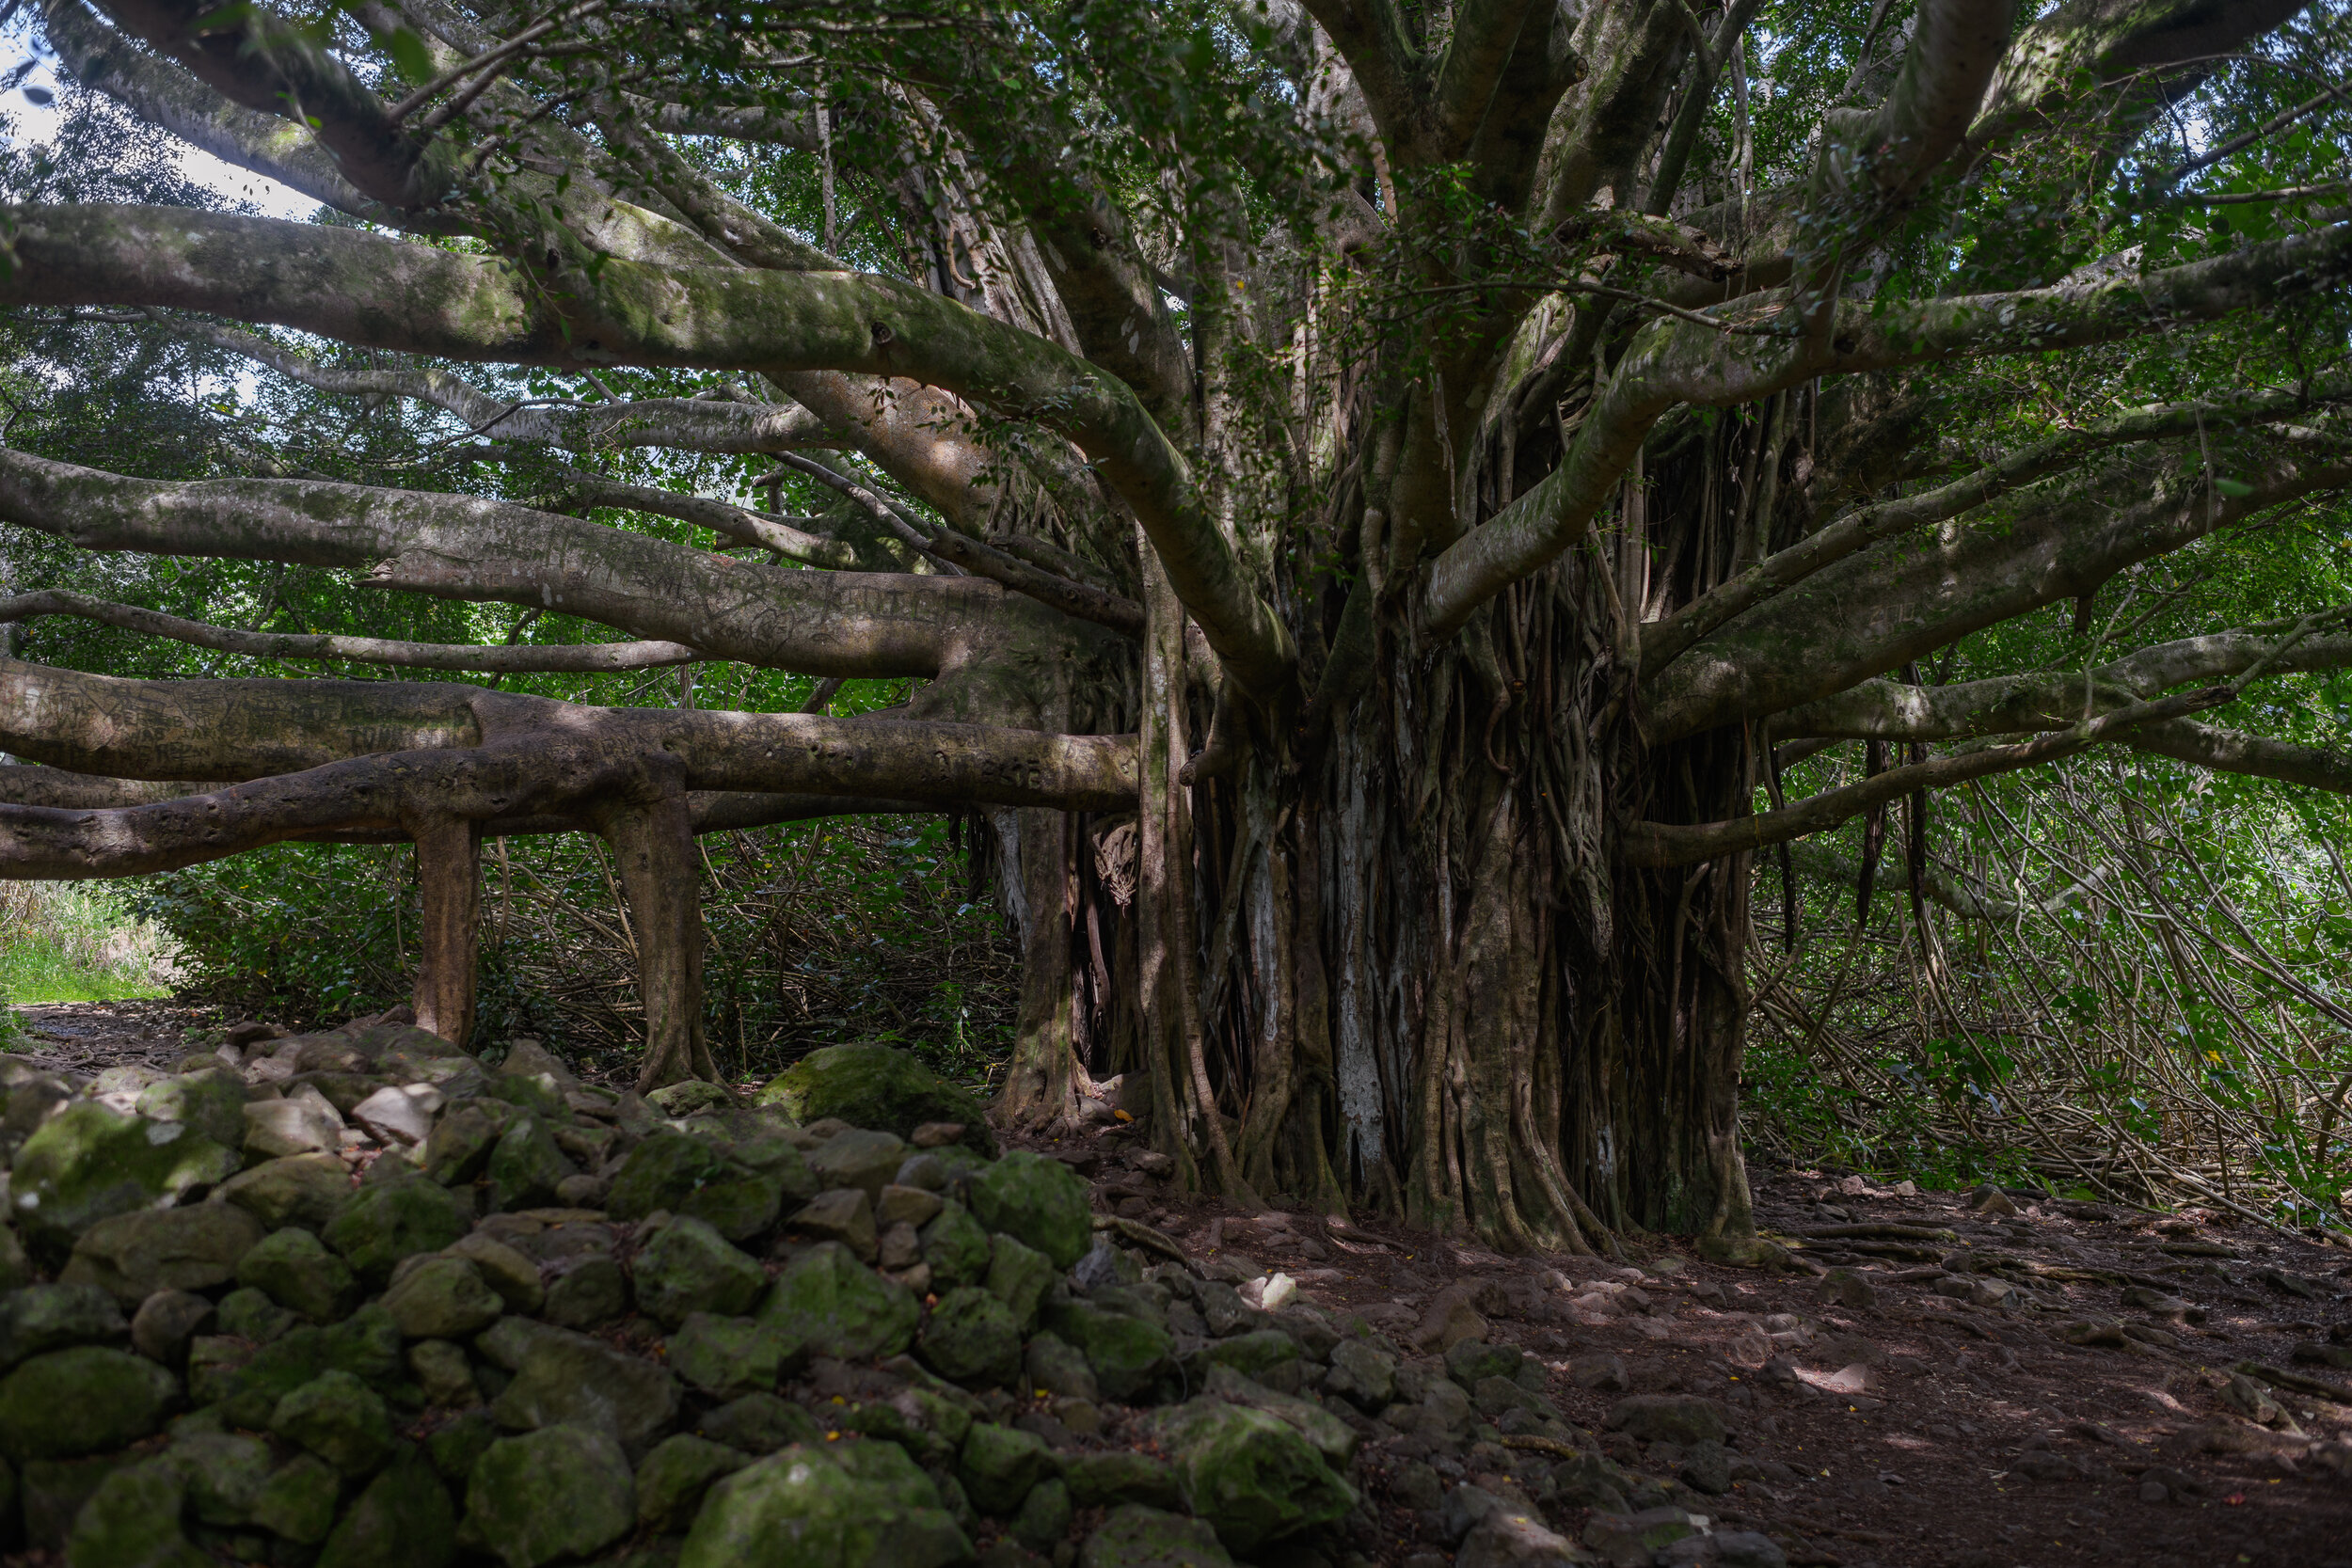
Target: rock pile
(356, 1299)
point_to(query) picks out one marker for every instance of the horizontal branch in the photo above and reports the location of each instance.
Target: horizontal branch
(365, 290)
(252, 729)
(471, 547)
(1875, 612)
(517, 659)
(2229, 752)
(1662, 844)
(2052, 699)
(1663, 641)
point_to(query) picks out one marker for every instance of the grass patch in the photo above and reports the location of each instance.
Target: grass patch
(72, 942)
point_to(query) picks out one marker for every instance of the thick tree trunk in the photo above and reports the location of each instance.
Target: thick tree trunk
(653, 845)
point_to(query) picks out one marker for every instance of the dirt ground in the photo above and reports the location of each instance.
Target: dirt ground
(1918, 1384)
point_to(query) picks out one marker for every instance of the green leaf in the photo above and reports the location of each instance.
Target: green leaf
(2236, 489)
(409, 56)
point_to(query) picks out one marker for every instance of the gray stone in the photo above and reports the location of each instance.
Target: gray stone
(1363, 1375)
(688, 1267)
(164, 1323)
(585, 1291)
(1040, 1202)
(1134, 1536)
(561, 1377)
(442, 1298)
(560, 1492)
(301, 1123)
(91, 1161)
(295, 1271)
(844, 1505)
(858, 1159)
(900, 1205)
(340, 1419)
(303, 1190)
(69, 1402)
(836, 1307)
(1333, 1437)
(399, 1113)
(844, 1214)
(1632, 1538)
(1599, 1370)
(1846, 1288)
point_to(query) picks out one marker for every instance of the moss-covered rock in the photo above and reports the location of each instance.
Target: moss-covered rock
(1018, 1275)
(298, 1501)
(91, 1161)
(731, 1355)
(858, 1158)
(688, 1176)
(560, 1492)
(442, 1298)
(76, 1401)
(1128, 1354)
(673, 1479)
(403, 1519)
(40, 1318)
(837, 1307)
(1044, 1517)
(972, 1338)
(761, 1423)
(460, 1142)
(340, 1419)
(955, 1245)
(225, 1473)
(564, 1378)
(294, 1270)
(1040, 1201)
(527, 1165)
(304, 1190)
(1116, 1476)
(1249, 1474)
(210, 1101)
(1139, 1537)
(133, 1256)
(879, 1088)
(133, 1521)
(366, 1346)
(386, 1221)
(998, 1466)
(851, 1505)
(687, 1267)
(927, 1424)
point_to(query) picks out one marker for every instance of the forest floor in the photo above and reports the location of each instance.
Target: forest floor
(1906, 1414)
(1926, 1405)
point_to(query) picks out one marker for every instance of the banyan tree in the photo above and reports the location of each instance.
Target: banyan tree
(1373, 498)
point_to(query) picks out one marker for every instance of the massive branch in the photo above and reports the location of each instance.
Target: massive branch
(364, 290)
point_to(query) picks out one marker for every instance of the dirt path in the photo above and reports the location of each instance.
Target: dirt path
(1925, 1407)
(1910, 1415)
